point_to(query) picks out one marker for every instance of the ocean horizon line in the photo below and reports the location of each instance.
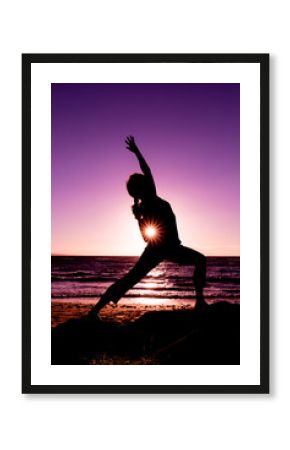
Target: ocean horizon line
(129, 256)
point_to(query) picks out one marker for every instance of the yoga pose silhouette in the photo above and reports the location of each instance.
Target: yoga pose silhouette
(158, 228)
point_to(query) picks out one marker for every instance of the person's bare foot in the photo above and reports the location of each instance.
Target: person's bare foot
(200, 304)
(93, 314)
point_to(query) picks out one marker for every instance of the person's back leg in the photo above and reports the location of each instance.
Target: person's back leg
(186, 255)
(147, 261)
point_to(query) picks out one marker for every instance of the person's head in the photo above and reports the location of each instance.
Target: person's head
(137, 186)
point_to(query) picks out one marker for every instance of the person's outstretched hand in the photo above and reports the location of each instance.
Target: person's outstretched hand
(131, 145)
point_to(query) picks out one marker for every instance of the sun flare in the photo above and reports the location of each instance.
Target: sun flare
(150, 231)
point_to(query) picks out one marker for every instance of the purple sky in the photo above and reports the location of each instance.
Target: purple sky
(188, 133)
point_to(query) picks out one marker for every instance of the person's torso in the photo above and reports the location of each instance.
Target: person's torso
(158, 223)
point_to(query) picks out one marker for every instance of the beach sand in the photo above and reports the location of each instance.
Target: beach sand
(146, 334)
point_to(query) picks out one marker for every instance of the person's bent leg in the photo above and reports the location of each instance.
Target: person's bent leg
(199, 277)
(147, 261)
(186, 255)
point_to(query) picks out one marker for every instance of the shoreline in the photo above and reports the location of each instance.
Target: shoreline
(126, 311)
(61, 311)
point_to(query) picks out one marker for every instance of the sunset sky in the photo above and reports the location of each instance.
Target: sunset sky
(188, 133)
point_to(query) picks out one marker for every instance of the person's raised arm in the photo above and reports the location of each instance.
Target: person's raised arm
(131, 145)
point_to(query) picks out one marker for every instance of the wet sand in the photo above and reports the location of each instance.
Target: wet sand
(122, 313)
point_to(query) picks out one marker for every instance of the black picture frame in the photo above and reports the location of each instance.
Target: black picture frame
(263, 61)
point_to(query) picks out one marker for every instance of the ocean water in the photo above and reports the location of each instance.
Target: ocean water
(85, 278)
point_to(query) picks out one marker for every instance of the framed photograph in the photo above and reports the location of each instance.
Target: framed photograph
(145, 223)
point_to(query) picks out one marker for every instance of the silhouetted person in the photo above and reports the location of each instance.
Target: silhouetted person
(158, 227)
